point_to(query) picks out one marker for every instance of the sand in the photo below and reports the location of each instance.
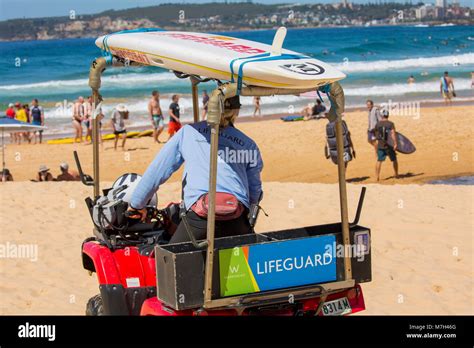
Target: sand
(294, 151)
(422, 235)
(422, 244)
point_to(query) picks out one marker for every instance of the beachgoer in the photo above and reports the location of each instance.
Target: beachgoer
(37, 118)
(21, 116)
(472, 79)
(156, 115)
(238, 181)
(374, 117)
(205, 102)
(27, 135)
(314, 111)
(77, 118)
(87, 107)
(10, 111)
(174, 124)
(446, 88)
(44, 174)
(256, 104)
(330, 149)
(6, 175)
(66, 175)
(383, 130)
(411, 80)
(119, 115)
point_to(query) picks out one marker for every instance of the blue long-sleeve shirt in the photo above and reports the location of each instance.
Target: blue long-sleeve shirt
(238, 168)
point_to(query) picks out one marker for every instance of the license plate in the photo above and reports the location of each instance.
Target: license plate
(337, 307)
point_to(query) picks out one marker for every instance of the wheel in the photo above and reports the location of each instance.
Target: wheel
(94, 306)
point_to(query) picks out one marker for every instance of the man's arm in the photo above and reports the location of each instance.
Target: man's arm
(168, 160)
(150, 110)
(42, 116)
(254, 179)
(393, 134)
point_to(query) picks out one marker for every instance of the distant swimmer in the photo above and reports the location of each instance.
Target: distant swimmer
(447, 88)
(383, 130)
(256, 104)
(156, 115)
(411, 80)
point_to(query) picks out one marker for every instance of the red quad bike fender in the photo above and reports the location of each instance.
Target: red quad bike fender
(123, 266)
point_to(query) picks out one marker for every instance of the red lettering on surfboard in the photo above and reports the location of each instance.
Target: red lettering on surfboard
(216, 42)
(133, 56)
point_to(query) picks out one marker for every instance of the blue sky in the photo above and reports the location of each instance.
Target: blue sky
(48, 8)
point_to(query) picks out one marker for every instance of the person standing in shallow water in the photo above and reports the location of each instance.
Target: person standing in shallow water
(384, 130)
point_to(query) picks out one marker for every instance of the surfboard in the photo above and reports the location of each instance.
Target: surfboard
(221, 57)
(405, 146)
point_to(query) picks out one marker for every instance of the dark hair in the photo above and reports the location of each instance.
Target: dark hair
(35, 100)
(154, 93)
(174, 97)
(318, 101)
(370, 101)
(446, 73)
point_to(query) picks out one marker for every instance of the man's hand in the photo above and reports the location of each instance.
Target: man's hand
(395, 147)
(137, 214)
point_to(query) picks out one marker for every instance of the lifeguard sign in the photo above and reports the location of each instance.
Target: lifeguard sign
(277, 265)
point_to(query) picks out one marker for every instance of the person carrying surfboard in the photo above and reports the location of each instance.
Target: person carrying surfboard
(447, 88)
(174, 125)
(156, 116)
(239, 184)
(383, 130)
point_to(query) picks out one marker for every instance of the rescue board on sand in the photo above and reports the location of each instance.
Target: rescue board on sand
(221, 57)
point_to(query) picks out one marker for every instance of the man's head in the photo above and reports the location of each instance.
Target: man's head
(231, 111)
(18, 105)
(446, 73)
(385, 114)
(204, 92)
(155, 95)
(175, 98)
(43, 169)
(318, 101)
(80, 99)
(64, 167)
(34, 102)
(11, 105)
(370, 104)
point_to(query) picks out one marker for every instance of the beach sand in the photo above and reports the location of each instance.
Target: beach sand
(293, 151)
(422, 235)
(422, 247)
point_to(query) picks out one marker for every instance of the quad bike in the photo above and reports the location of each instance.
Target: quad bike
(141, 273)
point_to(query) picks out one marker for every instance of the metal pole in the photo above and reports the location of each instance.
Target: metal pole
(343, 197)
(195, 93)
(95, 142)
(211, 214)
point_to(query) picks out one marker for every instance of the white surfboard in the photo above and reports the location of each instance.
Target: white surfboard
(221, 57)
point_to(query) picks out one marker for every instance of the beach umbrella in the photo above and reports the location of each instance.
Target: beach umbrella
(12, 125)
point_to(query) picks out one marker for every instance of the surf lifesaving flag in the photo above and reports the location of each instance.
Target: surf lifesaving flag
(276, 265)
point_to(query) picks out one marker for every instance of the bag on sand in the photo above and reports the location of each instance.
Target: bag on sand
(228, 206)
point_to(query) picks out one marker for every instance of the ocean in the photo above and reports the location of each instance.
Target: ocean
(377, 61)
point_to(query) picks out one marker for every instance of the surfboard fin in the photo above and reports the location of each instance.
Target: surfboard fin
(278, 39)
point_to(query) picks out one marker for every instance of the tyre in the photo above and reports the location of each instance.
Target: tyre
(94, 306)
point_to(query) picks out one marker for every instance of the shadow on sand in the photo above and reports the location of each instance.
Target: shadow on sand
(359, 179)
(403, 176)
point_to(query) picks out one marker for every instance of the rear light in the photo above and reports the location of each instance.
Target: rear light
(352, 294)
